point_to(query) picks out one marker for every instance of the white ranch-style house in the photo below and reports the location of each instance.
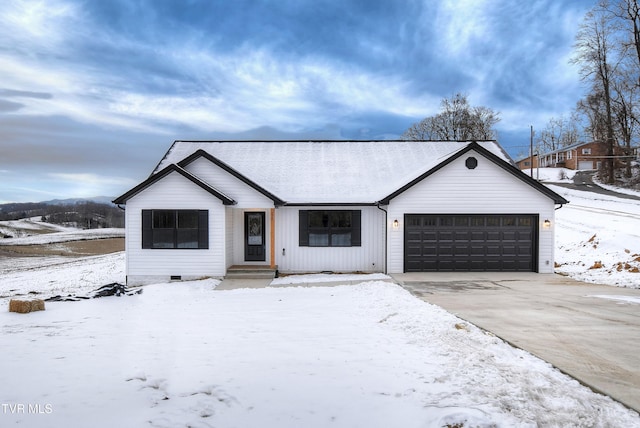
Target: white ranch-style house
(339, 206)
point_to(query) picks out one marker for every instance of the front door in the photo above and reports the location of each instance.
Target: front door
(254, 241)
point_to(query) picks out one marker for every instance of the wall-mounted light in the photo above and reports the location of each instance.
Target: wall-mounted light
(395, 224)
(546, 224)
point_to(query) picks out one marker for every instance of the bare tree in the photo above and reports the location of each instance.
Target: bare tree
(627, 12)
(457, 121)
(594, 49)
(559, 132)
(592, 106)
(627, 88)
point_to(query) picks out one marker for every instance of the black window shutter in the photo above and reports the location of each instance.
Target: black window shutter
(147, 230)
(303, 226)
(356, 228)
(203, 229)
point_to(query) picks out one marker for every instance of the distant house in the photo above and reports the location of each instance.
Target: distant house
(583, 156)
(342, 206)
(528, 162)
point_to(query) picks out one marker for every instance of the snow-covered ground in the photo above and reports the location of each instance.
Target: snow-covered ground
(598, 238)
(367, 355)
(552, 175)
(46, 277)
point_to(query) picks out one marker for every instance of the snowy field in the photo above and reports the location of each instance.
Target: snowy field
(368, 355)
(35, 232)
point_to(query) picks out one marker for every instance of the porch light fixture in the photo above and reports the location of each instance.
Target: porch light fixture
(395, 224)
(546, 224)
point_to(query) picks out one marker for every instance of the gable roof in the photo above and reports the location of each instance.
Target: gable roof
(516, 172)
(324, 172)
(163, 173)
(202, 154)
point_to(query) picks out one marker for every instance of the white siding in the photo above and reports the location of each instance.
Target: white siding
(147, 265)
(455, 189)
(367, 258)
(245, 195)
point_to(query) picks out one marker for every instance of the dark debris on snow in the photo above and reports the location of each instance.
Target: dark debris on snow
(113, 289)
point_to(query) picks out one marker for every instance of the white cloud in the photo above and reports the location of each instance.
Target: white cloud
(41, 24)
(460, 24)
(91, 179)
(90, 185)
(254, 88)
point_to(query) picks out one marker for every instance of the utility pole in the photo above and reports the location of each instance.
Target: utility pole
(531, 150)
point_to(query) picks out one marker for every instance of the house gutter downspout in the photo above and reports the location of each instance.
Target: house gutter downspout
(386, 233)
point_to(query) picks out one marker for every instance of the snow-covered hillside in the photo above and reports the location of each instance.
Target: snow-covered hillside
(27, 227)
(597, 236)
(33, 231)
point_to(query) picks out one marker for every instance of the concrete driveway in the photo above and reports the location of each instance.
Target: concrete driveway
(593, 339)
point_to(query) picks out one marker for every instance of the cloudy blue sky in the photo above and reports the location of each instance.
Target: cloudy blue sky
(93, 92)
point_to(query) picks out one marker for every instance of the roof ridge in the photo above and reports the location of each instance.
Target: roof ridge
(331, 141)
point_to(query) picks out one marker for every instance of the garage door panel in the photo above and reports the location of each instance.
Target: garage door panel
(509, 235)
(430, 250)
(470, 242)
(430, 236)
(445, 236)
(445, 250)
(493, 236)
(464, 236)
(478, 236)
(493, 250)
(460, 250)
(524, 235)
(493, 265)
(413, 235)
(413, 251)
(509, 250)
(446, 265)
(477, 250)
(524, 250)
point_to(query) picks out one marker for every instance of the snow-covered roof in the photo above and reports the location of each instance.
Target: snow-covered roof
(327, 171)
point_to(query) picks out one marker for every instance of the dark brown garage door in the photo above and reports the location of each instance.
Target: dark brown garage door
(447, 243)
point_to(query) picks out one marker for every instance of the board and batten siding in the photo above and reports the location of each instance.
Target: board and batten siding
(455, 189)
(245, 195)
(291, 258)
(145, 266)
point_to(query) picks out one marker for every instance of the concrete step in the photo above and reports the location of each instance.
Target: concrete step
(250, 275)
(250, 272)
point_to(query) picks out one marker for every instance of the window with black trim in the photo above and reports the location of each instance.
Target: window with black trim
(175, 229)
(330, 228)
